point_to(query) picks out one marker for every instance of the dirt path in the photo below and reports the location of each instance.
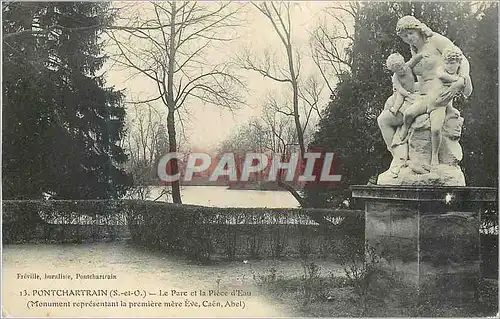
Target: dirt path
(137, 272)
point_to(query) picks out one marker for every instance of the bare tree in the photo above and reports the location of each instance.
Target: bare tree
(277, 120)
(249, 137)
(171, 44)
(146, 142)
(304, 98)
(310, 95)
(278, 15)
(331, 40)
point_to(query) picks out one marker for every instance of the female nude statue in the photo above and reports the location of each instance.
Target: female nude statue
(422, 40)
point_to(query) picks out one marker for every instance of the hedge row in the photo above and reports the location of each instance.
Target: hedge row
(205, 232)
(62, 221)
(195, 231)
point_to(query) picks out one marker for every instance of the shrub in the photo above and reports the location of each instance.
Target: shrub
(199, 233)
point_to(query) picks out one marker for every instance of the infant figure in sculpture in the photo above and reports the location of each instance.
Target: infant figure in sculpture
(452, 60)
(439, 103)
(403, 81)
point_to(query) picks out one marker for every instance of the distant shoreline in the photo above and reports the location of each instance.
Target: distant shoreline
(247, 187)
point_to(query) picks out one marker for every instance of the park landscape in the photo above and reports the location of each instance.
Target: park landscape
(95, 94)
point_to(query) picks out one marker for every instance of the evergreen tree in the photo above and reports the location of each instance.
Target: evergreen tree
(61, 125)
(349, 125)
(480, 112)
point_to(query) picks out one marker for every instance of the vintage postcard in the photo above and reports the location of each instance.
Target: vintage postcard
(249, 159)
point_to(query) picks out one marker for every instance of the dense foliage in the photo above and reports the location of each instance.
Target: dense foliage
(61, 125)
(480, 135)
(349, 126)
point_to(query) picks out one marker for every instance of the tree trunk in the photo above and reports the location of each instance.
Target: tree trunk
(176, 191)
(298, 126)
(172, 148)
(295, 90)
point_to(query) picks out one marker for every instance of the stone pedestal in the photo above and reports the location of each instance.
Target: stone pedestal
(426, 240)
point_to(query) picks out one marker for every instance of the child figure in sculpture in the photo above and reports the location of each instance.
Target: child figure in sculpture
(403, 81)
(437, 104)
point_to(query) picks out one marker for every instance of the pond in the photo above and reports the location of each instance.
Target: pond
(221, 196)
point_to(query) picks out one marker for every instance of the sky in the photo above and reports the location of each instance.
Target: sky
(205, 126)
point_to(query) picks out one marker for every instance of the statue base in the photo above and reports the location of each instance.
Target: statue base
(411, 158)
(441, 175)
(426, 245)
